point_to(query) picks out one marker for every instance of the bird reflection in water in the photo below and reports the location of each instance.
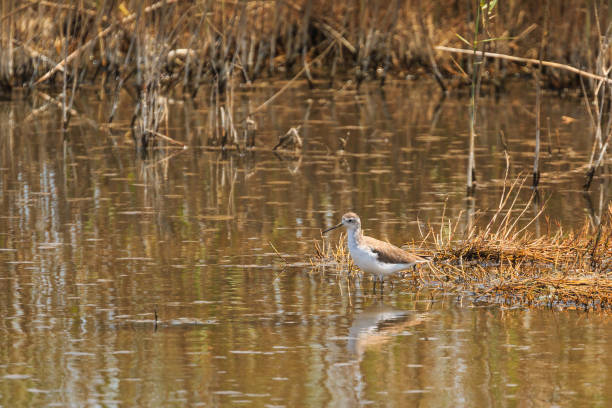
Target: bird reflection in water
(372, 330)
(377, 324)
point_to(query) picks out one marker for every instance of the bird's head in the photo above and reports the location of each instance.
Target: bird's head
(350, 221)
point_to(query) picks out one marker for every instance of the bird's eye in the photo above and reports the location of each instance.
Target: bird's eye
(350, 220)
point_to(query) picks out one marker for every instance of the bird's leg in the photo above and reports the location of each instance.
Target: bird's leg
(382, 285)
(374, 286)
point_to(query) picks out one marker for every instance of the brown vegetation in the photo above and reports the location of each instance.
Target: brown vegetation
(502, 262)
(154, 50)
(204, 42)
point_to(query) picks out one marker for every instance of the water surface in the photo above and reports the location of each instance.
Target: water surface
(95, 241)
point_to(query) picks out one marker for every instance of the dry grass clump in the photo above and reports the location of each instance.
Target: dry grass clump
(504, 263)
(332, 258)
(511, 266)
(504, 241)
(586, 293)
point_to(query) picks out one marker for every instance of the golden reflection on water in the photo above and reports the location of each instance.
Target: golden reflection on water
(96, 244)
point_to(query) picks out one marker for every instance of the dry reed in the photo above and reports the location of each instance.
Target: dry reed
(205, 42)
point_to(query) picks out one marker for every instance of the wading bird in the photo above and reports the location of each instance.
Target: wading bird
(371, 255)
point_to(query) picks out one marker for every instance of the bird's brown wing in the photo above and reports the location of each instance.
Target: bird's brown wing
(389, 253)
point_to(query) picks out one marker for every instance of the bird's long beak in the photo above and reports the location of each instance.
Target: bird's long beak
(332, 228)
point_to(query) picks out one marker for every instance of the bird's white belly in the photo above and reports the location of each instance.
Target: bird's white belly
(367, 261)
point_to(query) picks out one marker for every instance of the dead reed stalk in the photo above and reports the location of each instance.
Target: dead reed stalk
(602, 93)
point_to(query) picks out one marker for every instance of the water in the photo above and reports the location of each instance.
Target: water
(95, 242)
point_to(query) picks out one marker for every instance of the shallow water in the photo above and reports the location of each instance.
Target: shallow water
(95, 241)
